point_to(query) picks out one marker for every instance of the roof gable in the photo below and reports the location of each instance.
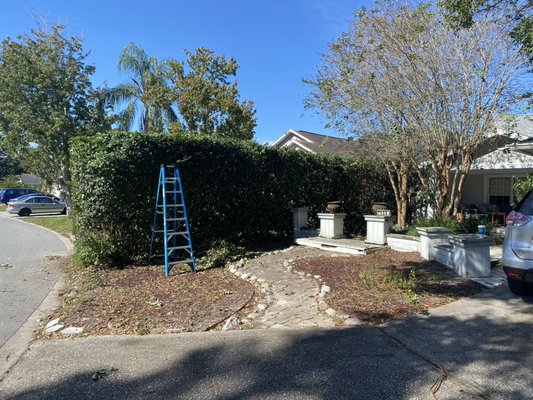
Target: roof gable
(317, 143)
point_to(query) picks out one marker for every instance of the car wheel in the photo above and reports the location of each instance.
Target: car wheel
(24, 212)
(519, 287)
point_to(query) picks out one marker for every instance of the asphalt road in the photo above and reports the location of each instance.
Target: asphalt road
(28, 271)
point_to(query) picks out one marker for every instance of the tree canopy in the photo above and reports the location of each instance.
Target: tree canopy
(402, 74)
(145, 95)
(517, 13)
(46, 97)
(208, 99)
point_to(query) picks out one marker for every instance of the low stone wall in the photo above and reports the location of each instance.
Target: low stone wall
(403, 243)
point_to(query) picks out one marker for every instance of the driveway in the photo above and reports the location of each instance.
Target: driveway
(29, 269)
(475, 348)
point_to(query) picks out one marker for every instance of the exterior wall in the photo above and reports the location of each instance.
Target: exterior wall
(476, 188)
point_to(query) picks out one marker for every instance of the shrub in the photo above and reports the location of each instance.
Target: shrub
(234, 191)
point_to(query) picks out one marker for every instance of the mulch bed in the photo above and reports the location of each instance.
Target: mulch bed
(141, 300)
(379, 287)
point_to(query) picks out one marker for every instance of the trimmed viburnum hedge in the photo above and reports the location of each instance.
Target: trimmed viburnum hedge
(233, 190)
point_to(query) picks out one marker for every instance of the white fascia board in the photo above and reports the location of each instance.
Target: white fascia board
(298, 144)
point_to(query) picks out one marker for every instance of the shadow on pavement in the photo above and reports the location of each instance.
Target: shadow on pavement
(488, 355)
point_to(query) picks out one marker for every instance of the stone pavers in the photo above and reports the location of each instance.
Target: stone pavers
(289, 299)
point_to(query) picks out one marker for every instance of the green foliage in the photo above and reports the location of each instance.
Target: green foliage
(234, 190)
(449, 223)
(146, 95)
(46, 98)
(463, 14)
(8, 167)
(219, 254)
(10, 181)
(522, 186)
(208, 102)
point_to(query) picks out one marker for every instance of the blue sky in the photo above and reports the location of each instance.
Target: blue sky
(275, 42)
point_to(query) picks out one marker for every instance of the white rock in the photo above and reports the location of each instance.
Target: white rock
(286, 263)
(352, 321)
(240, 264)
(261, 280)
(301, 273)
(238, 273)
(245, 276)
(331, 312)
(54, 328)
(290, 260)
(253, 315)
(231, 323)
(322, 295)
(290, 268)
(72, 330)
(53, 322)
(253, 278)
(316, 276)
(262, 307)
(325, 289)
(308, 275)
(232, 270)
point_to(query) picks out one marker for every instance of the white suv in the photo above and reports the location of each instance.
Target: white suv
(517, 256)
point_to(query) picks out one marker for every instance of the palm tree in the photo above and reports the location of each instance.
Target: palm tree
(146, 95)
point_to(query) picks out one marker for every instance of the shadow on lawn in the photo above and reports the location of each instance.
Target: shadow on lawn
(491, 356)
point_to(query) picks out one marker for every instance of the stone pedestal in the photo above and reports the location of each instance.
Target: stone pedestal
(429, 237)
(331, 225)
(299, 217)
(377, 227)
(471, 255)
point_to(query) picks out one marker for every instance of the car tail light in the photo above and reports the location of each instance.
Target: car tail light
(514, 274)
(516, 219)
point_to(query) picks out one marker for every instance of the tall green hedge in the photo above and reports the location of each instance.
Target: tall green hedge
(233, 190)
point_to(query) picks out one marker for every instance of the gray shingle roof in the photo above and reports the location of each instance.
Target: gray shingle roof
(319, 143)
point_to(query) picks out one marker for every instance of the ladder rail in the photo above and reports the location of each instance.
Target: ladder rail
(177, 173)
(154, 225)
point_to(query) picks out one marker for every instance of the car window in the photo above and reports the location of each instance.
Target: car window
(45, 200)
(31, 200)
(526, 205)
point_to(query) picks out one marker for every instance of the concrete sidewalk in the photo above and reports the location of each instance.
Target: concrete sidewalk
(484, 343)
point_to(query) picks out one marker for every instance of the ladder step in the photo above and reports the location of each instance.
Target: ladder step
(170, 205)
(172, 191)
(180, 262)
(178, 248)
(175, 219)
(184, 233)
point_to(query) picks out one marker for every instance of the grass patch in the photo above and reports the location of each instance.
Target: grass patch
(61, 224)
(3, 207)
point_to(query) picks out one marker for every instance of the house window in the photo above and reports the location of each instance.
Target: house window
(500, 191)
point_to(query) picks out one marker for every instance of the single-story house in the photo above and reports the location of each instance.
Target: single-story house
(489, 184)
(488, 188)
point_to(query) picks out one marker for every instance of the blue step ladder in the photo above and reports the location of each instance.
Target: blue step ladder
(170, 210)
